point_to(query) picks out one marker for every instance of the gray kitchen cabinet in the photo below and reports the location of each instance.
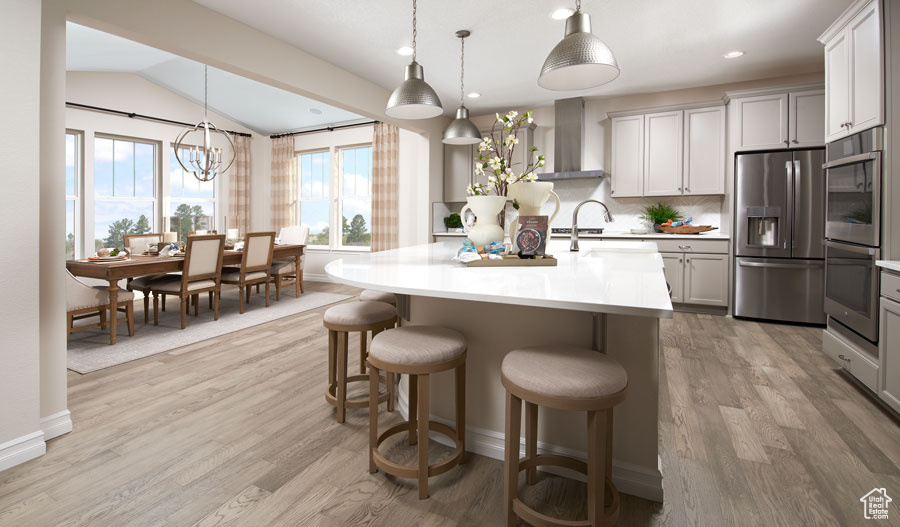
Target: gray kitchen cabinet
(706, 279)
(889, 341)
(674, 270)
(459, 170)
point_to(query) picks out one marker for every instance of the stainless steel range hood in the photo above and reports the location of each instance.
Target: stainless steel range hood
(568, 144)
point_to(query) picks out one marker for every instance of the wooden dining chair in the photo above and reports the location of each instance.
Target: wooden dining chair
(256, 261)
(202, 273)
(137, 244)
(84, 301)
(288, 272)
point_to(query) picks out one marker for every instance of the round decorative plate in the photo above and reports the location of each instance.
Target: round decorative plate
(528, 241)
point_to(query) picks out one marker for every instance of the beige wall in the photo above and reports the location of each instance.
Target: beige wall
(20, 40)
(132, 93)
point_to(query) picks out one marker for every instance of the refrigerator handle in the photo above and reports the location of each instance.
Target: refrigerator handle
(789, 195)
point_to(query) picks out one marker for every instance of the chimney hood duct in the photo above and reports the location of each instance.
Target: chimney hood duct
(568, 145)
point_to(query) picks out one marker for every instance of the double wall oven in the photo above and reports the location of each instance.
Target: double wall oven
(852, 232)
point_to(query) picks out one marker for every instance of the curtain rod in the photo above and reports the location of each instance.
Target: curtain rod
(324, 129)
(133, 115)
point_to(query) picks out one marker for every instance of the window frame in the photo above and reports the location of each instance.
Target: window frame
(77, 197)
(156, 185)
(339, 183)
(329, 185)
(167, 208)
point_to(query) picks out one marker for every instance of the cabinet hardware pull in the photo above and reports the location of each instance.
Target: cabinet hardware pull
(843, 357)
(898, 290)
(687, 189)
(786, 143)
(684, 247)
(794, 141)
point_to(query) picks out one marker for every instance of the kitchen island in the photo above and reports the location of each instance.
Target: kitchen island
(609, 296)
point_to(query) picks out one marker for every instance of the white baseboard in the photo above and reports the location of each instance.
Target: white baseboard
(628, 478)
(22, 449)
(314, 277)
(56, 425)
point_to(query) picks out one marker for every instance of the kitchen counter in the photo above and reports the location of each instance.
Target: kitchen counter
(609, 297)
(610, 277)
(889, 265)
(711, 235)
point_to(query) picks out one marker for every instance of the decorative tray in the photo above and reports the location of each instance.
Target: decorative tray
(687, 229)
(514, 261)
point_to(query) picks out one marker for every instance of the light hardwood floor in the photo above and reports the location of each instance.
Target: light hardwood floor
(757, 428)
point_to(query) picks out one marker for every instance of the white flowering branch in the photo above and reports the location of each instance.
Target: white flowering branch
(495, 156)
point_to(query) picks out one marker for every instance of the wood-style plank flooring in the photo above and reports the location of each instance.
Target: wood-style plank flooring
(757, 428)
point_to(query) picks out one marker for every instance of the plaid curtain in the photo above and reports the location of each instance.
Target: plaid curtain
(284, 183)
(385, 187)
(239, 194)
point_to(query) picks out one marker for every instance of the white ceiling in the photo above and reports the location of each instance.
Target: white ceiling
(261, 108)
(659, 44)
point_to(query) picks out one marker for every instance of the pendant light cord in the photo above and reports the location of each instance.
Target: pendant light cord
(462, 70)
(577, 5)
(414, 31)
(205, 92)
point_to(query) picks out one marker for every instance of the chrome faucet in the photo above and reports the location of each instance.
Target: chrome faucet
(573, 247)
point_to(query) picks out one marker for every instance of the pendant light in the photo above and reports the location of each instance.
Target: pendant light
(580, 60)
(462, 131)
(205, 163)
(414, 99)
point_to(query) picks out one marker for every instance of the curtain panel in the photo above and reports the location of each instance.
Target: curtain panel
(239, 194)
(385, 187)
(284, 183)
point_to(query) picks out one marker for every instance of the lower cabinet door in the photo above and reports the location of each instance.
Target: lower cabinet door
(674, 269)
(890, 353)
(706, 279)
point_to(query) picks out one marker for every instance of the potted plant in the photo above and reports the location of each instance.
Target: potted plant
(453, 222)
(660, 213)
(495, 162)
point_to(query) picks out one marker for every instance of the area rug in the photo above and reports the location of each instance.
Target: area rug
(90, 350)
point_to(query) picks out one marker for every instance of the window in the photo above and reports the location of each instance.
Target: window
(192, 203)
(124, 189)
(73, 184)
(315, 203)
(356, 196)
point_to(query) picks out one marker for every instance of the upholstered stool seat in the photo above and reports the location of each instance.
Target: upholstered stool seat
(340, 320)
(370, 295)
(418, 351)
(566, 378)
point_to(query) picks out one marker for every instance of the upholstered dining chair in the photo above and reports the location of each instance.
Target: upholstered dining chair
(137, 244)
(285, 272)
(256, 260)
(84, 301)
(201, 273)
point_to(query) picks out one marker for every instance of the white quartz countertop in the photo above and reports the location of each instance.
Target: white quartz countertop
(620, 277)
(892, 265)
(710, 235)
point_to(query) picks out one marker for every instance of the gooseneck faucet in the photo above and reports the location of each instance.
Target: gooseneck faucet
(573, 247)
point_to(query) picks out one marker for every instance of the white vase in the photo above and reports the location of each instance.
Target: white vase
(487, 227)
(531, 197)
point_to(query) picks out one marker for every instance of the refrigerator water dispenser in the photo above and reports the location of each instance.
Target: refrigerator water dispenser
(762, 226)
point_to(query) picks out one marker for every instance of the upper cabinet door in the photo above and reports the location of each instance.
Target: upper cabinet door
(761, 123)
(837, 87)
(806, 125)
(866, 70)
(459, 167)
(704, 150)
(663, 153)
(627, 165)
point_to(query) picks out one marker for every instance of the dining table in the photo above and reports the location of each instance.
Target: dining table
(140, 265)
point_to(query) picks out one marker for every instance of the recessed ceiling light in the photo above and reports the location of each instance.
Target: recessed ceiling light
(733, 54)
(405, 51)
(474, 95)
(315, 111)
(562, 13)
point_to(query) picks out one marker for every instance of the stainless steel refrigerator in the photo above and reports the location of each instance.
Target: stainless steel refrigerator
(779, 271)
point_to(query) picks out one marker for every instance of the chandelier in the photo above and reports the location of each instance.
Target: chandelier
(204, 162)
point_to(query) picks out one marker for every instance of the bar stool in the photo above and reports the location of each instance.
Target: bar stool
(565, 378)
(418, 351)
(370, 295)
(340, 321)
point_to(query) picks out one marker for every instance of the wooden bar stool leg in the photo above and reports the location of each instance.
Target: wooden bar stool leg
(608, 464)
(341, 375)
(390, 391)
(461, 409)
(373, 416)
(413, 407)
(531, 420)
(596, 462)
(332, 357)
(362, 351)
(424, 394)
(513, 435)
